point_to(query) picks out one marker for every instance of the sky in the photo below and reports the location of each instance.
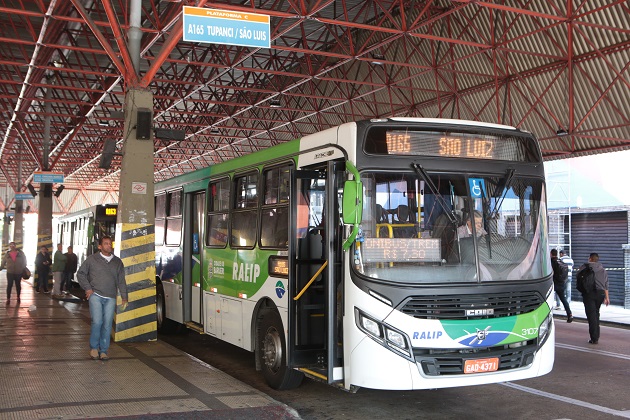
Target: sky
(589, 181)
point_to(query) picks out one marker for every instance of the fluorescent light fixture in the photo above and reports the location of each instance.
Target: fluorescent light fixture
(562, 132)
(275, 103)
(377, 59)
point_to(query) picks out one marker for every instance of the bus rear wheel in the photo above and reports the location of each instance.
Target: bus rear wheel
(272, 353)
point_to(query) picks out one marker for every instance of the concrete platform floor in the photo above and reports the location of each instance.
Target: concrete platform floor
(46, 371)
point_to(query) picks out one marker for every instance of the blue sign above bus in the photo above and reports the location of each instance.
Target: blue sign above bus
(226, 27)
(48, 177)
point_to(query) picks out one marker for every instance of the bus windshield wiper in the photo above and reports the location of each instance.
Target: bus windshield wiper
(438, 197)
(503, 185)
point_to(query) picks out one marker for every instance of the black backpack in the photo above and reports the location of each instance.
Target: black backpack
(586, 280)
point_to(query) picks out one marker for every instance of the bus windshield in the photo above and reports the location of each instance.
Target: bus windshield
(446, 228)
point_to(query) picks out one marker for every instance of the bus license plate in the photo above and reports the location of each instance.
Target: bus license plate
(481, 365)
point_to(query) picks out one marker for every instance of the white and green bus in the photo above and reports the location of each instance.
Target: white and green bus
(348, 256)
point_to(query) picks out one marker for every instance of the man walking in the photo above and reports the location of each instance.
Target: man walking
(568, 261)
(102, 276)
(593, 299)
(559, 278)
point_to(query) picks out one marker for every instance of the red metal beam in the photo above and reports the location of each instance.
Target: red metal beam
(99, 36)
(130, 75)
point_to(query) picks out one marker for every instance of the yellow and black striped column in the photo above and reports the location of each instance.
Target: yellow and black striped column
(137, 251)
(44, 225)
(135, 225)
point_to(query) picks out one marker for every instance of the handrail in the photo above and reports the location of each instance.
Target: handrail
(390, 227)
(312, 280)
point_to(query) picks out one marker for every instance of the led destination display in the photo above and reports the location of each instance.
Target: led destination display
(400, 250)
(451, 145)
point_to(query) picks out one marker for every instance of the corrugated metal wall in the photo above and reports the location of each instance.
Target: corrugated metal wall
(604, 233)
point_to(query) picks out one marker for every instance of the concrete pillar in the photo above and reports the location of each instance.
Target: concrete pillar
(44, 224)
(5, 232)
(18, 224)
(135, 226)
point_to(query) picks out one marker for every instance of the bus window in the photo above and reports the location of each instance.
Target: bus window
(174, 219)
(244, 216)
(275, 212)
(218, 216)
(160, 218)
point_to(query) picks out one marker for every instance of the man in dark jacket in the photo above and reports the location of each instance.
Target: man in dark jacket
(71, 268)
(42, 264)
(593, 300)
(15, 263)
(559, 284)
(102, 276)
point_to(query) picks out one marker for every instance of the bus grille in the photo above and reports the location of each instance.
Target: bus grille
(451, 362)
(471, 306)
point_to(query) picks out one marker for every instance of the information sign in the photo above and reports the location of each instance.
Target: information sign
(48, 177)
(22, 196)
(226, 27)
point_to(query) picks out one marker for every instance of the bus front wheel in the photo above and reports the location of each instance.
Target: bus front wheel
(272, 353)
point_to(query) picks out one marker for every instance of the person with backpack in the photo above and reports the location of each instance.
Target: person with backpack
(15, 263)
(560, 274)
(593, 284)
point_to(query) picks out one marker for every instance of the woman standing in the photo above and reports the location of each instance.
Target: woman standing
(15, 263)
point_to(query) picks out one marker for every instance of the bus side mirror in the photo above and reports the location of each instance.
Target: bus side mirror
(352, 210)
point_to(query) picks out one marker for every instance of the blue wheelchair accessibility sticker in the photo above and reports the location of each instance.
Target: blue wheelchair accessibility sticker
(477, 186)
(195, 246)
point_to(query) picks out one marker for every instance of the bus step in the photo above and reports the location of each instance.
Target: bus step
(315, 373)
(195, 327)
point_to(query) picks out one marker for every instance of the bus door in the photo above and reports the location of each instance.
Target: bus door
(192, 258)
(314, 324)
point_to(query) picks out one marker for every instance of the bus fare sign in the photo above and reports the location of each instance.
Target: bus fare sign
(226, 27)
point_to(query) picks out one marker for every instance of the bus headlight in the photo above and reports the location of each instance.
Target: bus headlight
(384, 334)
(371, 326)
(543, 330)
(396, 338)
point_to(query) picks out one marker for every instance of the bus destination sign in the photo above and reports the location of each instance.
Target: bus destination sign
(401, 250)
(505, 147)
(278, 266)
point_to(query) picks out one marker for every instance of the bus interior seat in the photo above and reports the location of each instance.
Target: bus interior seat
(381, 216)
(403, 216)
